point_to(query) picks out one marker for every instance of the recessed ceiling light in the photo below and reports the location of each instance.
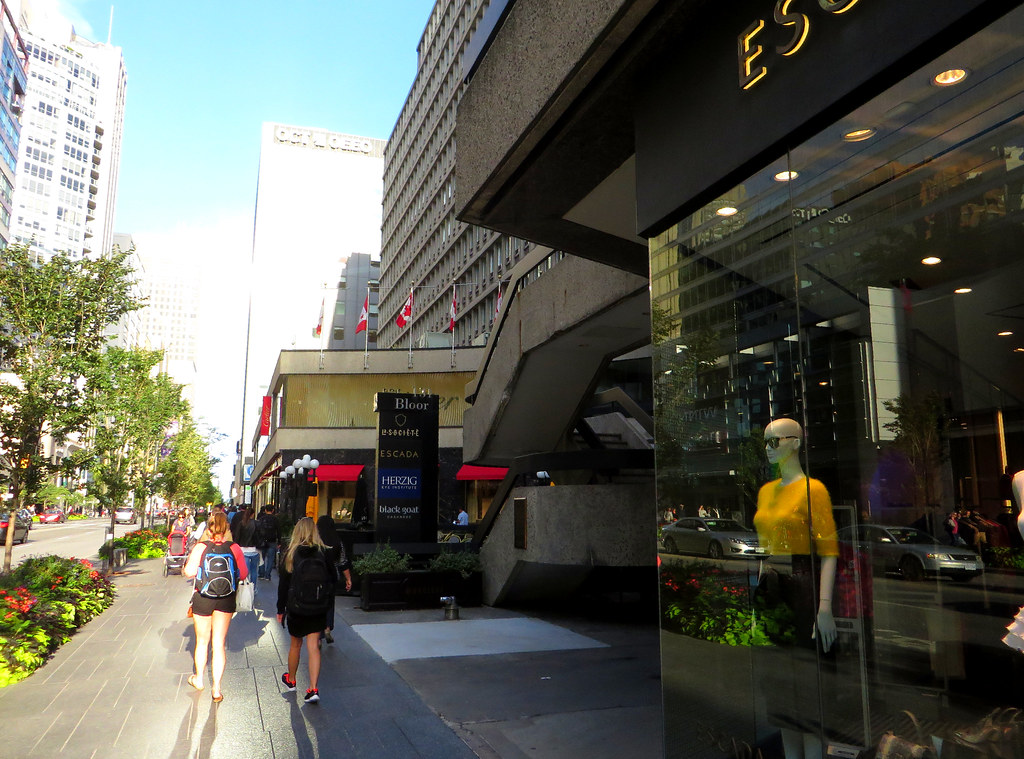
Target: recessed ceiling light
(823, 384)
(1018, 350)
(1004, 333)
(931, 260)
(962, 290)
(786, 176)
(859, 135)
(726, 211)
(950, 77)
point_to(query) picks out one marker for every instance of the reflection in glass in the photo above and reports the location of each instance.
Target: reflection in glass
(813, 303)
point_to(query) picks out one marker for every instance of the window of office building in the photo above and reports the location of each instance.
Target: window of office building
(839, 395)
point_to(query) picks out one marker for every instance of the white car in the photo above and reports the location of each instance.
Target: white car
(125, 515)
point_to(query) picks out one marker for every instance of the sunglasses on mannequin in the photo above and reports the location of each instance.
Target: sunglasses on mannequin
(773, 442)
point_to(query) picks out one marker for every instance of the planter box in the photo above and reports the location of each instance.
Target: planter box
(418, 590)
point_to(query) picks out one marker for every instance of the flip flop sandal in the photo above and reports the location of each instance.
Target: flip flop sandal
(192, 682)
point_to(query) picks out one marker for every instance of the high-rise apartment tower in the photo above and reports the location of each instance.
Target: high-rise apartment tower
(424, 248)
(66, 184)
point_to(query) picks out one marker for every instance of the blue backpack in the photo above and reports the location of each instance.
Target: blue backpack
(218, 572)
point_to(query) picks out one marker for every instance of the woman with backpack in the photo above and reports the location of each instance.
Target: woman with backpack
(217, 564)
(305, 591)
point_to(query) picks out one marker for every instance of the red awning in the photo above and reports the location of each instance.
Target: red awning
(470, 472)
(338, 472)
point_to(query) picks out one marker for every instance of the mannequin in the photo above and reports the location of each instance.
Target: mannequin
(796, 533)
(1014, 637)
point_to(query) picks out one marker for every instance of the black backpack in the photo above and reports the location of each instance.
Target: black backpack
(218, 572)
(312, 586)
(266, 530)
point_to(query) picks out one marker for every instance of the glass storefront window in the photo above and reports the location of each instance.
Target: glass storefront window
(839, 410)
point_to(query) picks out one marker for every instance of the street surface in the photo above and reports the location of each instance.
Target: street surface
(80, 538)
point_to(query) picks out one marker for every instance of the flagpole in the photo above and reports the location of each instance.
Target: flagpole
(366, 344)
(410, 330)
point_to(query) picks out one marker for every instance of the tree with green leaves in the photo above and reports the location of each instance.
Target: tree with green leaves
(134, 406)
(185, 477)
(53, 320)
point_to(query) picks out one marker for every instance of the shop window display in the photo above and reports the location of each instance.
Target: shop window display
(839, 363)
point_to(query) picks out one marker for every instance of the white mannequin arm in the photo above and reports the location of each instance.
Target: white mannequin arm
(1017, 486)
(825, 624)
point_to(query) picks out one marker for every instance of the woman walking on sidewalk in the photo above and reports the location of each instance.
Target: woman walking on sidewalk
(305, 589)
(213, 601)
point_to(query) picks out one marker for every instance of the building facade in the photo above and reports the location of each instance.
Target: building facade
(323, 405)
(13, 63)
(358, 286)
(826, 217)
(425, 250)
(317, 200)
(69, 156)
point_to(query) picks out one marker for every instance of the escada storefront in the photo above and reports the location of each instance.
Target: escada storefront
(831, 196)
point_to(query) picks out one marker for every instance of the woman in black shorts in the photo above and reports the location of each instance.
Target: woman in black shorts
(212, 616)
(305, 543)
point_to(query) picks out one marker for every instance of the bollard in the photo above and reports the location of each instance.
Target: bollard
(451, 608)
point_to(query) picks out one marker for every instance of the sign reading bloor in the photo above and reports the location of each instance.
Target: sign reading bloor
(406, 509)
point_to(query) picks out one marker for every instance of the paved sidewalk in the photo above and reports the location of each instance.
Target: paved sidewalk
(394, 685)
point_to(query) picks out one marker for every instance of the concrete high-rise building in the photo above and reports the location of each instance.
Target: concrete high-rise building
(358, 285)
(13, 60)
(169, 320)
(318, 199)
(424, 247)
(66, 184)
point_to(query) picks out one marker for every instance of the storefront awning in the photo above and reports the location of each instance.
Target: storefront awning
(470, 472)
(338, 472)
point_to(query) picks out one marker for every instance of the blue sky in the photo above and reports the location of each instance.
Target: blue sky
(202, 78)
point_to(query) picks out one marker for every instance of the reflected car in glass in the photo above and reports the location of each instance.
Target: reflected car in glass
(125, 516)
(714, 538)
(912, 553)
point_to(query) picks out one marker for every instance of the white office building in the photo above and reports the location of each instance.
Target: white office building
(66, 181)
(318, 201)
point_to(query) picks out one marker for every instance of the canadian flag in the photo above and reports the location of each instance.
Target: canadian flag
(363, 315)
(320, 321)
(406, 313)
(497, 305)
(451, 315)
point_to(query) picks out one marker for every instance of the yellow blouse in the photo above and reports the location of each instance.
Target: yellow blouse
(781, 520)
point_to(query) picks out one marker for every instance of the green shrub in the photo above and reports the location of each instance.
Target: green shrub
(76, 516)
(701, 600)
(383, 559)
(42, 602)
(140, 544)
(463, 562)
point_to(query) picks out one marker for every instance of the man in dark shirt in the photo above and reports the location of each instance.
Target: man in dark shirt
(267, 537)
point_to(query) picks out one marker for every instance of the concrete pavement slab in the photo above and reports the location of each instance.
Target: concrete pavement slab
(484, 637)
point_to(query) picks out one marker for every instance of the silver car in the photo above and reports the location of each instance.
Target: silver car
(912, 553)
(715, 538)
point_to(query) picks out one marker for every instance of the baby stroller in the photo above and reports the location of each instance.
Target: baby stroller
(178, 545)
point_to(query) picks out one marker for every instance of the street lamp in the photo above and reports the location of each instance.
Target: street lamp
(295, 484)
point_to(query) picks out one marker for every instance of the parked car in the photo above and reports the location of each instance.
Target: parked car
(52, 516)
(715, 538)
(125, 515)
(21, 528)
(913, 553)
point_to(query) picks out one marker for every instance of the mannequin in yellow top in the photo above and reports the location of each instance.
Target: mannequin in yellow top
(793, 512)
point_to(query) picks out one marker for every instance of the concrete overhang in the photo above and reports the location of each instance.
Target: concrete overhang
(554, 339)
(545, 127)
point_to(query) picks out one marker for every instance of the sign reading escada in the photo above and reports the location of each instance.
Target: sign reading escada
(789, 32)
